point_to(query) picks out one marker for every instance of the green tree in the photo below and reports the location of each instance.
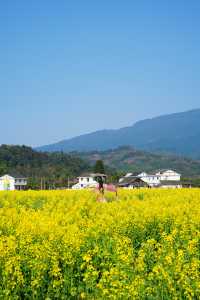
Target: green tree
(53, 168)
(99, 167)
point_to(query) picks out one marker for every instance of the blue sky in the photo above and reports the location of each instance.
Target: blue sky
(72, 67)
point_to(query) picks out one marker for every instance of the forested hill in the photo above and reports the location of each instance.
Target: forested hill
(128, 159)
(53, 168)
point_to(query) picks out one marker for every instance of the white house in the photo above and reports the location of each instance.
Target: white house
(87, 181)
(161, 178)
(11, 183)
(168, 175)
(169, 179)
(151, 179)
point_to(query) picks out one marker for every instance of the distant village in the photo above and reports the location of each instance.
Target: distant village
(159, 179)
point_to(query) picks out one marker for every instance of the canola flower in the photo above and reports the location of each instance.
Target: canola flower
(65, 245)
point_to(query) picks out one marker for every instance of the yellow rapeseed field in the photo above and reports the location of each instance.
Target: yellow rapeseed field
(65, 245)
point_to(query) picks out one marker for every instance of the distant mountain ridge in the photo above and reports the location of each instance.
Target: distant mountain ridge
(177, 133)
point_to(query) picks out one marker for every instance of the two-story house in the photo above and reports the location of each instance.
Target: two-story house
(87, 181)
(12, 182)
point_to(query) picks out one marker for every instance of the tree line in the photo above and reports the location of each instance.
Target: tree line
(48, 170)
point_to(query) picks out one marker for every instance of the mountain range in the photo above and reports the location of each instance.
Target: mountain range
(177, 133)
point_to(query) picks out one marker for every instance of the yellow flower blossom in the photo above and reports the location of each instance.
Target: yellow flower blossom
(63, 245)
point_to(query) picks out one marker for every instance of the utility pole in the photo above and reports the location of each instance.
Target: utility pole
(68, 182)
(44, 184)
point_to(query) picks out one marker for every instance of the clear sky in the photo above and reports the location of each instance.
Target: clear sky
(72, 67)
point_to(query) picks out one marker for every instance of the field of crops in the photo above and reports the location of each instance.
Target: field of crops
(65, 245)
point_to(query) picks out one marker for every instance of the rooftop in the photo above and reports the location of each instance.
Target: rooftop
(14, 175)
(132, 181)
(92, 175)
(165, 170)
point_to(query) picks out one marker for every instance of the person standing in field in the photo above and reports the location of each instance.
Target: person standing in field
(100, 182)
(102, 187)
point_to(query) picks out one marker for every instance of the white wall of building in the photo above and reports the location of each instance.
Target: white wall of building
(84, 182)
(169, 175)
(152, 180)
(7, 183)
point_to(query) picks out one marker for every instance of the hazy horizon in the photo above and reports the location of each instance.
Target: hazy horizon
(73, 68)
